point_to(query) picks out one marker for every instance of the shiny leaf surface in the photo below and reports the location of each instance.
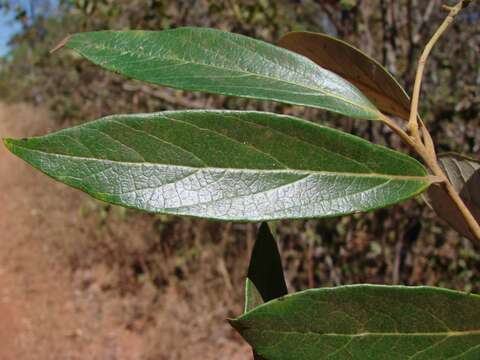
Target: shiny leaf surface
(214, 61)
(464, 174)
(366, 322)
(378, 85)
(228, 165)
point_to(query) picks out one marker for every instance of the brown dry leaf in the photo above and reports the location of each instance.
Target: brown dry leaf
(371, 78)
(464, 174)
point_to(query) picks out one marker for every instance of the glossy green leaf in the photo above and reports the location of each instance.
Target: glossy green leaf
(378, 85)
(464, 174)
(366, 322)
(229, 165)
(214, 61)
(265, 270)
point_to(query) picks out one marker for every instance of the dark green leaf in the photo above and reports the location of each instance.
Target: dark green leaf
(378, 85)
(215, 61)
(265, 280)
(265, 270)
(464, 174)
(366, 322)
(238, 166)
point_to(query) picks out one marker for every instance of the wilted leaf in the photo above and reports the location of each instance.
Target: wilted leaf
(229, 165)
(464, 174)
(378, 85)
(214, 61)
(366, 322)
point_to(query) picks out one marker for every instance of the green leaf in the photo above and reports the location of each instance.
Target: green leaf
(265, 280)
(366, 322)
(378, 85)
(252, 296)
(265, 271)
(252, 300)
(214, 61)
(464, 174)
(228, 165)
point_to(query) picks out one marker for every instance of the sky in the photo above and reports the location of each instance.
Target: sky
(7, 28)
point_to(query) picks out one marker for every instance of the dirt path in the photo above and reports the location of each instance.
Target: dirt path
(44, 314)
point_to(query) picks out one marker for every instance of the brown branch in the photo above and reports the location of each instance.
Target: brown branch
(413, 121)
(424, 146)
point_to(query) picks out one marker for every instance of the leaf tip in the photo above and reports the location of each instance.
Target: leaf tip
(237, 324)
(232, 322)
(12, 144)
(61, 44)
(9, 143)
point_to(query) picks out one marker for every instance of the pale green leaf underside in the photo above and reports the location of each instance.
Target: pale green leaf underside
(252, 296)
(238, 166)
(366, 322)
(214, 61)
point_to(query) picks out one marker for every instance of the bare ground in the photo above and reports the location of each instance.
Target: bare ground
(49, 310)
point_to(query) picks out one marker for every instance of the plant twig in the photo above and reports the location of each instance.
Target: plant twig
(413, 121)
(400, 132)
(424, 146)
(427, 153)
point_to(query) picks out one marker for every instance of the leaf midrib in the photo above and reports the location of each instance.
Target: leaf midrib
(317, 90)
(274, 171)
(232, 115)
(367, 333)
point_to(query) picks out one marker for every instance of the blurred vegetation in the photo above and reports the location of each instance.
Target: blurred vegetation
(404, 244)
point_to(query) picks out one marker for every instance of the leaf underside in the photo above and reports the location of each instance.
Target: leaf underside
(464, 174)
(214, 61)
(228, 165)
(253, 298)
(366, 322)
(375, 82)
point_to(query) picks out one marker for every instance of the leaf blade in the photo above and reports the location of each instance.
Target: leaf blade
(265, 280)
(226, 165)
(369, 76)
(253, 298)
(265, 270)
(464, 174)
(201, 59)
(367, 321)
